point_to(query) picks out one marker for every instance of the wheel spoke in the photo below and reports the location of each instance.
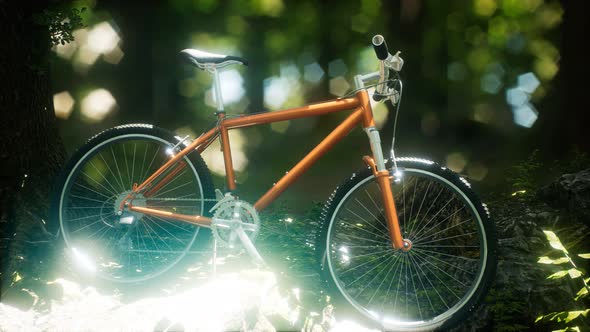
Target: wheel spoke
(149, 245)
(420, 208)
(383, 235)
(382, 230)
(435, 215)
(117, 167)
(435, 278)
(428, 235)
(447, 238)
(94, 191)
(112, 173)
(113, 193)
(376, 206)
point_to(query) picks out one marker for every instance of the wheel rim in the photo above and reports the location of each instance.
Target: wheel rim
(148, 245)
(429, 283)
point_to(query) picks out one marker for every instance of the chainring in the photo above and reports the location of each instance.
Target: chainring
(231, 213)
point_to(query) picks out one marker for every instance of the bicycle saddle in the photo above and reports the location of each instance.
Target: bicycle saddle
(202, 59)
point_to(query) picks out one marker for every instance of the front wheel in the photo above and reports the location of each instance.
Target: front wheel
(131, 247)
(440, 279)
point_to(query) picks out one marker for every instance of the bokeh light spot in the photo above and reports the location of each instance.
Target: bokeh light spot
(268, 7)
(516, 43)
(477, 171)
(430, 124)
(86, 56)
(280, 127)
(313, 72)
(290, 71)
(366, 61)
(188, 88)
(63, 104)
(491, 83)
(214, 158)
(276, 92)
(103, 38)
(484, 7)
(232, 86)
(114, 56)
(516, 97)
(456, 71)
(97, 105)
(546, 68)
(66, 51)
(380, 113)
(550, 15)
(483, 113)
(456, 161)
(339, 86)
(525, 115)
(528, 82)
(360, 23)
(337, 68)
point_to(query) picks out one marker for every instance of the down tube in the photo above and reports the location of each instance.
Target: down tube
(324, 146)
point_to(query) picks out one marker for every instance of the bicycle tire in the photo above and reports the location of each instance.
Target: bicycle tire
(97, 178)
(450, 265)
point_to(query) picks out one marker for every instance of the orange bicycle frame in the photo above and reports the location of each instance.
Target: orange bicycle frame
(362, 115)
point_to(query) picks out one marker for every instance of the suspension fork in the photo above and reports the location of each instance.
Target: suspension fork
(377, 165)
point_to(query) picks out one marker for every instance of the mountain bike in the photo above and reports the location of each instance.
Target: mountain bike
(403, 241)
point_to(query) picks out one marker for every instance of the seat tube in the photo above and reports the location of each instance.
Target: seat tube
(383, 180)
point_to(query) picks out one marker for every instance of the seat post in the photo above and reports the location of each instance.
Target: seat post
(217, 87)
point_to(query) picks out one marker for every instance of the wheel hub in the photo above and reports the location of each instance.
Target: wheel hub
(128, 217)
(406, 245)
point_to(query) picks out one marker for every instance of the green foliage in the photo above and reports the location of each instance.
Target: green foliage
(522, 176)
(567, 316)
(287, 242)
(575, 161)
(507, 307)
(61, 23)
(289, 238)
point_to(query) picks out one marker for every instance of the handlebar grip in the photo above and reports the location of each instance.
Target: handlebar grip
(380, 47)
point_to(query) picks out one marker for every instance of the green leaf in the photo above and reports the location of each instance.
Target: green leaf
(585, 256)
(554, 241)
(555, 315)
(547, 260)
(571, 315)
(574, 273)
(567, 329)
(539, 318)
(581, 293)
(558, 275)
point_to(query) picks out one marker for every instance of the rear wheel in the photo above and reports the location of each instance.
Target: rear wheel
(448, 268)
(131, 247)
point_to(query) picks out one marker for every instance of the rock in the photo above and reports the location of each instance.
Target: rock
(570, 192)
(521, 291)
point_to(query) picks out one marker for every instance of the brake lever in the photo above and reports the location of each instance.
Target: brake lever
(395, 62)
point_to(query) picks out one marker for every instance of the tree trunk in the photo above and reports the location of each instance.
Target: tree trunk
(31, 150)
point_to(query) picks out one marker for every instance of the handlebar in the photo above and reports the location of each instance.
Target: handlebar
(380, 47)
(387, 63)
